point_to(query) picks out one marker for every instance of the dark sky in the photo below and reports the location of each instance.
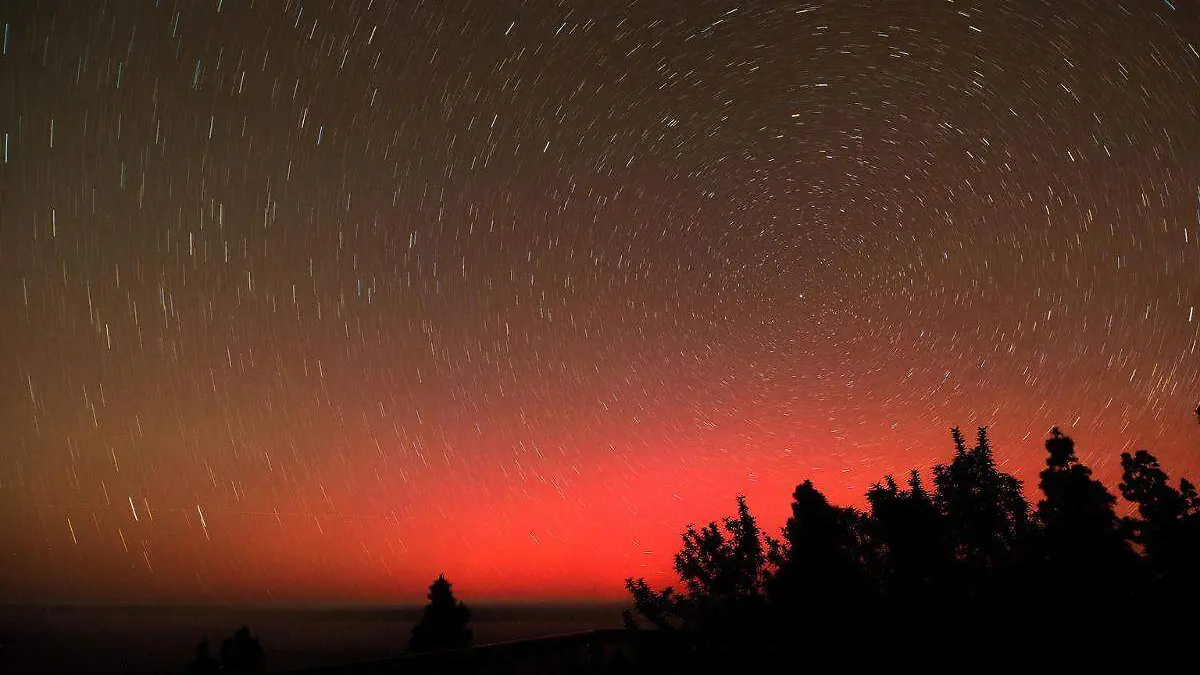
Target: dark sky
(316, 300)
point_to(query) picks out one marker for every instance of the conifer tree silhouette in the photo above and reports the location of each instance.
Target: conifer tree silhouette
(444, 624)
(242, 653)
(713, 565)
(1087, 565)
(986, 517)
(627, 620)
(204, 663)
(911, 532)
(823, 562)
(1168, 529)
(723, 569)
(970, 560)
(721, 609)
(659, 608)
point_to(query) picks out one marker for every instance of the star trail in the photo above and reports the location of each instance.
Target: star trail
(317, 300)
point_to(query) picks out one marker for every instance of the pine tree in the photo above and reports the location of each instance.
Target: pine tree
(1168, 529)
(823, 562)
(1086, 562)
(723, 568)
(628, 620)
(721, 607)
(444, 624)
(985, 515)
(911, 532)
(725, 564)
(242, 653)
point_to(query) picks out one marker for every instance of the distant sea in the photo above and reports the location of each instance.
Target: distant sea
(145, 640)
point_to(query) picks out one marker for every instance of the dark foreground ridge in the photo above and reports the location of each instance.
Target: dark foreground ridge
(593, 651)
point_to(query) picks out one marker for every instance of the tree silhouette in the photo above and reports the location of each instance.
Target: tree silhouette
(1168, 529)
(659, 608)
(823, 562)
(241, 653)
(723, 569)
(721, 607)
(628, 621)
(204, 663)
(711, 565)
(444, 624)
(986, 517)
(1086, 562)
(911, 532)
(969, 561)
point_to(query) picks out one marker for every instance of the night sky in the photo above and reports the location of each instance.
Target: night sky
(315, 300)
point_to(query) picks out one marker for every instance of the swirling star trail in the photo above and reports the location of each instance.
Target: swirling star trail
(316, 300)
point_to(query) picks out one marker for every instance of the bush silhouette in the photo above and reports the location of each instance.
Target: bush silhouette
(444, 624)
